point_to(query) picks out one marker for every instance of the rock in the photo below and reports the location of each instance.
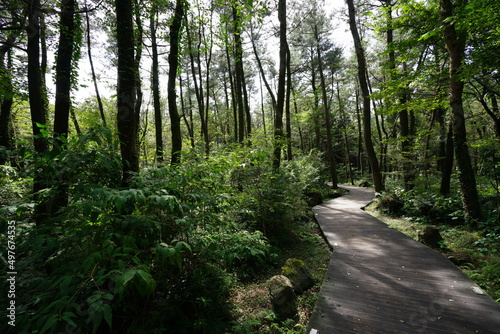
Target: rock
(314, 198)
(298, 274)
(461, 259)
(430, 236)
(283, 298)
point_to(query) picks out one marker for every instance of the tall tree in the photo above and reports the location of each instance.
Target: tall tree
(173, 62)
(127, 120)
(64, 66)
(455, 40)
(328, 123)
(363, 83)
(92, 69)
(280, 98)
(155, 82)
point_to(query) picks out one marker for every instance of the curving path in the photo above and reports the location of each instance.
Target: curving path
(381, 281)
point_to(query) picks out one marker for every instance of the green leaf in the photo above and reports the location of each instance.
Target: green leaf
(51, 321)
(67, 317)
(107, 312)
(128, 275)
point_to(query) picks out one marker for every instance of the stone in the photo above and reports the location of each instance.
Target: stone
(298, 274)
(431, 237)
(283, 298)
(313, 198)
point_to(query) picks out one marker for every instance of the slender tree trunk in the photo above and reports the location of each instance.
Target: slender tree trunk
(455, 44)
(239, 74)
(263, 76)
(232, 86)
(189, 123)
(208, 63)
(64, 68)
(372, 156)
(92, 69)
(288, 118)
(126, 92)
(447, 165)
(6, 98)
(173, 61)
(37, 104)
(155, 84)
(344, 131)
(63, 90)
(328, 123)
(138, 36)
(280, 101)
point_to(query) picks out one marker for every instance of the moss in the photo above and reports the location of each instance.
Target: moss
(288, 270)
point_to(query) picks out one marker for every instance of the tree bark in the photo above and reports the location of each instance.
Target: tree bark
(92, 69)
(332, 164)
(280, 100)
(173, 62)
(6, 98)
(370, 151)
(155, 84)
(126, 90)
(455, 44)
(239, 74)
(64, 68)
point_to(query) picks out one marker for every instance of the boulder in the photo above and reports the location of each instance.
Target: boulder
(431, 237)
(314, 198)
(298, 274)
(283, 298)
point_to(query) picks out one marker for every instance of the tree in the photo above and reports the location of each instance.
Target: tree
(280, 98)
(362, 71)
(127, 120)
(173, 62)
(155, 82)
(64, 67)
(455, 40)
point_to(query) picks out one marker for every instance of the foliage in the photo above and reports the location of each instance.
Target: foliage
(160, 254)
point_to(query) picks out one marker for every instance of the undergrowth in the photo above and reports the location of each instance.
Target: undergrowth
(164, 255)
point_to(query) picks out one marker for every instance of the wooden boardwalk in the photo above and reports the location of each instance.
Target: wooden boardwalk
(381, 281)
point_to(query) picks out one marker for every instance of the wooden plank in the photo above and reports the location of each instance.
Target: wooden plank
(381, 281)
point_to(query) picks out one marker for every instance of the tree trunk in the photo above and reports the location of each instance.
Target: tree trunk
(328, 123)
(37, 105)
(94, 78)
(155, 85)
(455, 44)
(447, 164)
(126, 90)
(64, 68)
(239, 74)
(173, 62)
(280, 100)
(6, 98)
(370, 151)
(288, 117)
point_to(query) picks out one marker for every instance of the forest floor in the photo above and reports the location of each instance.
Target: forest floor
(251, 306)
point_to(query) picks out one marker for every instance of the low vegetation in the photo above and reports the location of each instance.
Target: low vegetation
(182, 250)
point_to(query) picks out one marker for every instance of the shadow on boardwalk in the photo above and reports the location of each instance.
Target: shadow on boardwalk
(381, 281)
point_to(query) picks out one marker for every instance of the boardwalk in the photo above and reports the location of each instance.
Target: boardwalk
(381, 281)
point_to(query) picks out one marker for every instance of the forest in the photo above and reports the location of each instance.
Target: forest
(159, 158)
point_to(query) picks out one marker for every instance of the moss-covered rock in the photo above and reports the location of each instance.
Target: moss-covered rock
(298, 274)
(283, 298)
